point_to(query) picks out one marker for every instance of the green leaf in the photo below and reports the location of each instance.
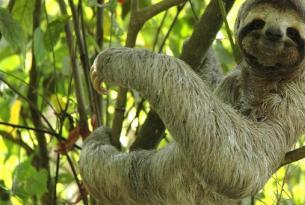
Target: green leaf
(28, 182)
(11, 29)
(38, 183)
(53, 32)
(39, 49)
(23, 13)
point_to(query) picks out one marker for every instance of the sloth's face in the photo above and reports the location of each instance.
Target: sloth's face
(272, 38)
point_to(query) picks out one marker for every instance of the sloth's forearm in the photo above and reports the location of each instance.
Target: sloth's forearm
(196, 119)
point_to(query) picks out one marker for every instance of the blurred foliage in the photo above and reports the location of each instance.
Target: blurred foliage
(21, 182)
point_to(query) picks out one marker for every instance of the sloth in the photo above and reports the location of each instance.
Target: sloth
(227, 142)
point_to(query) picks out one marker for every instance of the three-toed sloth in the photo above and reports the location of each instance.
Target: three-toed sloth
(227, 142)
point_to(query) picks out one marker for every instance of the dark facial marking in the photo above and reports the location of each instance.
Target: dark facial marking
(256, 24)
(293, 34)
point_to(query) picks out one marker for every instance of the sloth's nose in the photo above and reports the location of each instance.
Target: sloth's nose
(273, 34)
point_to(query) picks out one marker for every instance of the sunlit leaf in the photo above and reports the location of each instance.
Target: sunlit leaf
(15, 112)
(11, 29)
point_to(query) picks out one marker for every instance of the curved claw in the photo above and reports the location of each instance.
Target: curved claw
(97, 86)
(96, 81)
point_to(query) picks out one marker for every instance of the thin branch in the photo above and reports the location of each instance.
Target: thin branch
(11, 5)
(294, 156)
(99, 24)
(94, 96)
(99, 36)
(159, 30)
(224, 17)
(84, 57)
(28, 128)
(133, 31)
(280, 195)
(77, 29)
(17, 141)
(80, 187)
(179, 9)
(193, 10)
(43, 153)
(56, 178)
(59, 137)
(150, 11)
(55, 74)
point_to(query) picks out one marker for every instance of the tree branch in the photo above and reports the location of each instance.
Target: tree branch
(147, 13)
(294, 156)
(11, 5)
(78, 183)
(204, 34)
(99, 36)
(27, 128)
(36, 130)
(94, 96)
(43, 154)
(179, 9)
(17, 141)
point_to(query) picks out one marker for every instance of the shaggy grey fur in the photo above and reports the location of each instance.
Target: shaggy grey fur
(227, 143)
(209, 70)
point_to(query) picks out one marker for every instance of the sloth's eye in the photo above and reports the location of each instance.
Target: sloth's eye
(257, 24)
(292, 33)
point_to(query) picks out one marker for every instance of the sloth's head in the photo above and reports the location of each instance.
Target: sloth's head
(271, 35)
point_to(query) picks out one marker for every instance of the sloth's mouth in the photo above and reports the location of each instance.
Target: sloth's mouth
(271, 46)
(275, 71)
(254, 62)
